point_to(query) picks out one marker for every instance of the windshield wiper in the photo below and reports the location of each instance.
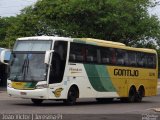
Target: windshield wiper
(25, 67)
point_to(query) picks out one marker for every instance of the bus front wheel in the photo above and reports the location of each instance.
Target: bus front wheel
(37, 101)
(72, 96)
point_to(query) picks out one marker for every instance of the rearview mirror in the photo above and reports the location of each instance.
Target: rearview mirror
(5, 56)
(47, 56)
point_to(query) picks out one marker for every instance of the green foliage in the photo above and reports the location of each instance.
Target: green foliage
(116, 20)
(4, 24)
(123, 21)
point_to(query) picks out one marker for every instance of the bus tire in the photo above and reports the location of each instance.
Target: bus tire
(132, 95)
(140, 94)
(72, 96)
(37, 101)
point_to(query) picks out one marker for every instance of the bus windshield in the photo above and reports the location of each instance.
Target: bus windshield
(27, 67)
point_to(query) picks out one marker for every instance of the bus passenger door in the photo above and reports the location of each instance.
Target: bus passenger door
(57, 68)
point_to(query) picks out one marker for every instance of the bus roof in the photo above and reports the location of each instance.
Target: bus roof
(45, 38)
(91, 41)
(111, 44)
(102, 41)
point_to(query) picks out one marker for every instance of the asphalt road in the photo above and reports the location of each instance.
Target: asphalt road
(86, 109)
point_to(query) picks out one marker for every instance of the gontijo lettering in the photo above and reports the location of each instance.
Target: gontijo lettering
(126, 72)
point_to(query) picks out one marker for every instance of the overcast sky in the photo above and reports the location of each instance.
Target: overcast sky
(13, 7)
(155, 11)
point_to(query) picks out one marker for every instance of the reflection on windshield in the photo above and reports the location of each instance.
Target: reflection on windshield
(27, 67)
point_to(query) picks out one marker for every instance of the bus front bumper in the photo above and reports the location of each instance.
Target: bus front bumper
(36, 93)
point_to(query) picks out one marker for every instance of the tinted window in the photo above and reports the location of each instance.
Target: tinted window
(132, 58)
(113, 56)
(141, 59)
(83, 53)
(121, 57)
(77, 52)
(106, 56)
(91, 54)
(151, 61)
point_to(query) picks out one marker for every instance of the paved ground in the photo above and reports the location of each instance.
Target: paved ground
(86, 109)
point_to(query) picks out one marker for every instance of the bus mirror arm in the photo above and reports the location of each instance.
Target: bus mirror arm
(47, 56)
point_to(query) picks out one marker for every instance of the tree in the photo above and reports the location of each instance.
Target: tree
(3, 30)
(4, 24)
(124, 21)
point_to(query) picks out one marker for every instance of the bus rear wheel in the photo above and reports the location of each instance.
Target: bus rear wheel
(37, 101)
(72, 96)
(132, 95)
(139, 95)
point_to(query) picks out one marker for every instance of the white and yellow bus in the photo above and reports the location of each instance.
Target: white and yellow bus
(59, 68)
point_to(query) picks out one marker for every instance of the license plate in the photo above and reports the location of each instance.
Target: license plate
(23, 93)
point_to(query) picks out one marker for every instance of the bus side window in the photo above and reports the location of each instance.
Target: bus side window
(91, 54)
(145, 60)
(89, 58)
(76, 52)
(105, 60)
(106, 56)
(141, 59)
(98, 56)
(132, 58)
(72, 57)
(154, 61)
(120, 55)
(113, 54)
(151, 61)
(80, 58)
(126, 62)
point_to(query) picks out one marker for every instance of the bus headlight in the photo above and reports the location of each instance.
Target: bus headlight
(41, 86)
